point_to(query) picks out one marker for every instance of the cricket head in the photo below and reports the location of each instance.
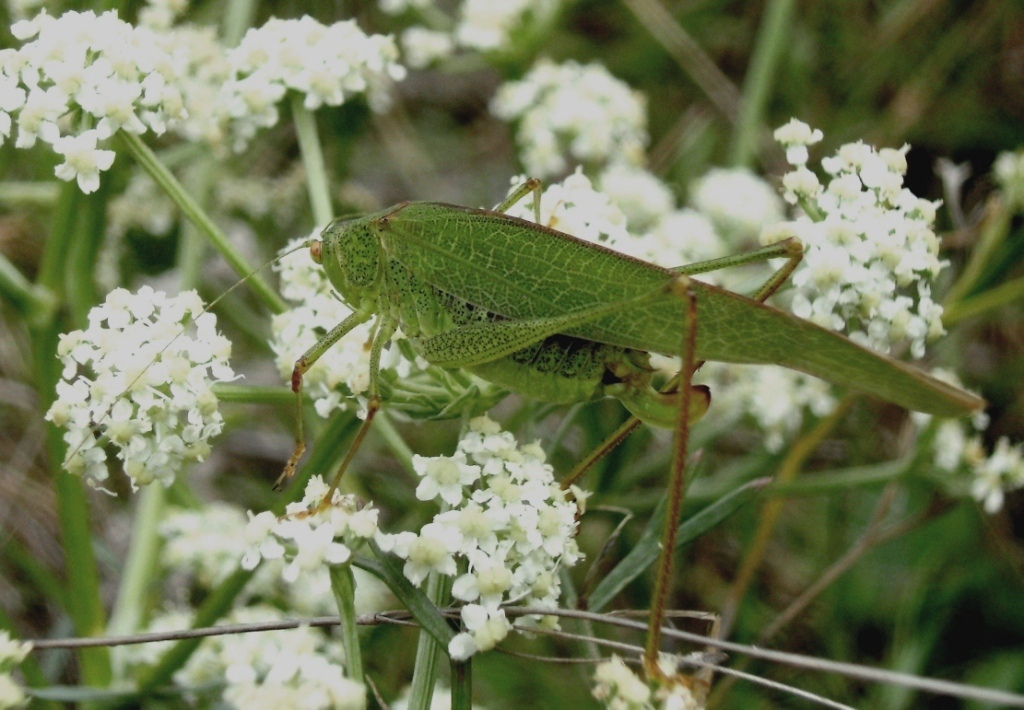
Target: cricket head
(349, 251)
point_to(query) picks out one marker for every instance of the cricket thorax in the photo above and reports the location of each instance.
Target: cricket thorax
(558, 369)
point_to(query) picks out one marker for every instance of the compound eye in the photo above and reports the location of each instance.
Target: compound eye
(316, 251)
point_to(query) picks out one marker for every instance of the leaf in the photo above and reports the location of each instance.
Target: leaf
(386, 568)
(648, 547)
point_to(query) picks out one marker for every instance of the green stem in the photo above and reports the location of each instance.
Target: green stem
(344, 587)
(462, 684)
(191, 246)
(1001, 295)
(84, 606)
(29, 194)
(83, 578)
(428, 651)
(395, 442)
(215, 606)
(140, 566)
(811, 209)
(993, 230)
(170, 185)
(313, 161)
(237, 18)
(253, 394)
(790, 467)
(36, 303)
(771, 45)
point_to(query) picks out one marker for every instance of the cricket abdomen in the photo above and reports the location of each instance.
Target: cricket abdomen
(560, 369)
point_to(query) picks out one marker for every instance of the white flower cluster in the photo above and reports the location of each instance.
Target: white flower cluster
(325, 63)
(738, 202)
(486, 25)
(421, 46)
(869, 248)
(344, 370)
(643, 198)
(773, 397)
(158, 77)
(573, 206)
(619, 688)
(272, 669)
(118, 76)
(136, 379)
(507, 520)
(12, 653)
(958, 448)
(310, 535)
(997, 474)
(206, 546)
(572, 113)
(161, 14)
(616, 686)
(482, 26)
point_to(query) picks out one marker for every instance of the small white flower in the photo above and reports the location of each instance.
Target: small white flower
(444, 477)
(423, 47)
(486, 628)
(432, 550)
(1008, 171)
(617, 686)
(83, 161)
(12, 652)
(997, 474)
(315, 547)
(486, 25)
(795, 136)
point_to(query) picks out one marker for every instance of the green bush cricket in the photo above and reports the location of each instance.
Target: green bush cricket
(562, 320)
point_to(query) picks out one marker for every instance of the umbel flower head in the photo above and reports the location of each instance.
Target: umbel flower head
(310, 534)
(79, 78)
(870, 253)
(582, 112)
(136, 380)
(118, 76)
(509, 523)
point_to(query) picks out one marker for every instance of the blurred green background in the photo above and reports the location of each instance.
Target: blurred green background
(944, 597)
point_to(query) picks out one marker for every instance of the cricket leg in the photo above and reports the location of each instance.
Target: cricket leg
(386, 329)
(790, 249)
(531, 185)
(302, 366)
(677, 480)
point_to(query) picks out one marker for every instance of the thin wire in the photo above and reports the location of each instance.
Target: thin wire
(401, 617)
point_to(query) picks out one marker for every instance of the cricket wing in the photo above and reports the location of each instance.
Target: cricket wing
(524, 271)
(731, 328)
